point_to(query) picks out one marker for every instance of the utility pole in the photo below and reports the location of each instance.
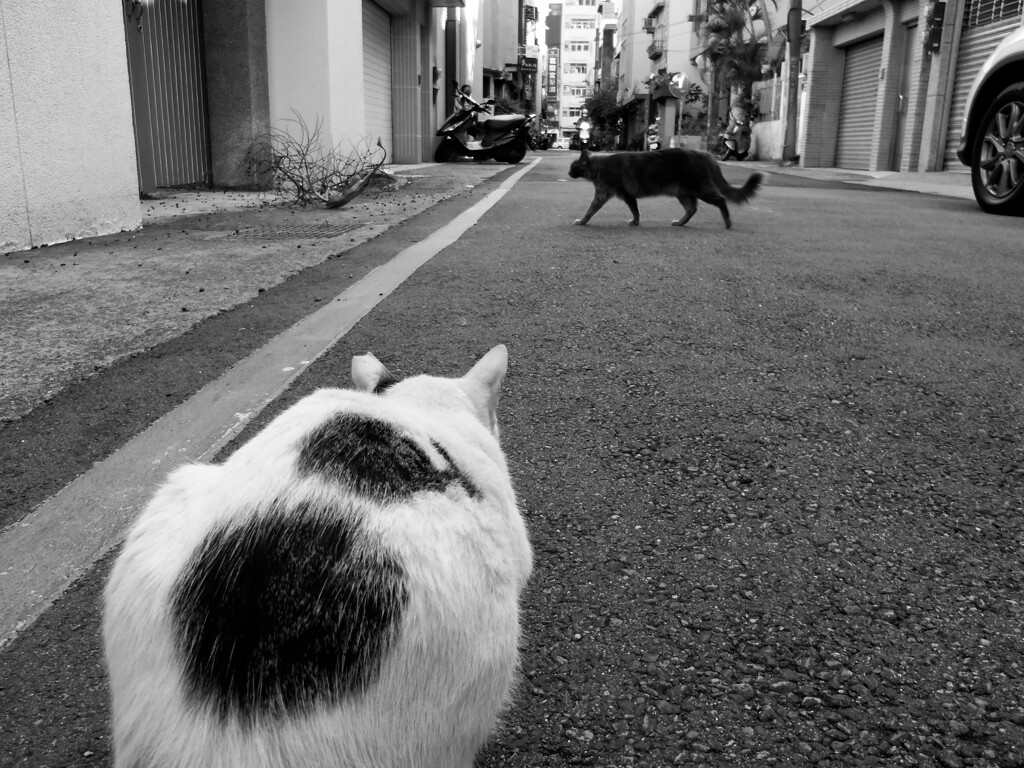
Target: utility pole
(793, 94)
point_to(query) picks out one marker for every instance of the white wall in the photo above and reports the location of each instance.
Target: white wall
(767, 140)
(500, 33)
(315, 67)
(67, 147)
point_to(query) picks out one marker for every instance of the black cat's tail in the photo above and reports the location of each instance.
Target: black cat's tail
(741, 194)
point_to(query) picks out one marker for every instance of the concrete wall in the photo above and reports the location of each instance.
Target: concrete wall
(823, 92)
(238, 104)
(67, 149)
(299, 75)
(634, 65)
(499, 33)
(315, 66)
(767, 140)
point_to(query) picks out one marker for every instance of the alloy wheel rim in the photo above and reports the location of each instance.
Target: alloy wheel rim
(1002, 152)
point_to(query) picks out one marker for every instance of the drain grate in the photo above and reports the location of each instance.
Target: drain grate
(430, 185)
(321, 231)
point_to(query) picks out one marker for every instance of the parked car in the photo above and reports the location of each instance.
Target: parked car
(992, 131)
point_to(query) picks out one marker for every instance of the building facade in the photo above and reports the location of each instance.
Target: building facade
(656, 39)
(149, 94)
(886, 80)
(571, 41)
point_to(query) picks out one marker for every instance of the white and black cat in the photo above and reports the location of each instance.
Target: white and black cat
(343, 591)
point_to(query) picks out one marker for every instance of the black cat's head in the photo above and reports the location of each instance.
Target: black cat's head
(581, 168)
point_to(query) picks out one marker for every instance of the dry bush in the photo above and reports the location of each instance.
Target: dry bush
(305, 171)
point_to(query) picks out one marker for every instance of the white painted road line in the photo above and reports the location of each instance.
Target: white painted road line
(43, 554)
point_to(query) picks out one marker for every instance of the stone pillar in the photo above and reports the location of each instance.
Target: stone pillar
(888, 90)
(917, 105)
(941, 77)
(819, 120)
(235, 44)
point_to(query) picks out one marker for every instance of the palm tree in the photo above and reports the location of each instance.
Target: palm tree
(734, 34)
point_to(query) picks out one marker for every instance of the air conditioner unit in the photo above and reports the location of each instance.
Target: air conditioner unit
(649, 25)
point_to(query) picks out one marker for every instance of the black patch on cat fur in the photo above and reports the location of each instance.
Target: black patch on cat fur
(290, 611)
(376, 460)
(387, 381)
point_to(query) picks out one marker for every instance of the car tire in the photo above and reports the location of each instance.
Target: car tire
(997, 158)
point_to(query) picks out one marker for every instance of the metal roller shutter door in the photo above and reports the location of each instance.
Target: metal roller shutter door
(976, 43)
(377, 74)
(857, 105)
(165, 72)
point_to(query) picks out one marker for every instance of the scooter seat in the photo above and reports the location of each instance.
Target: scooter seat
(503, 122)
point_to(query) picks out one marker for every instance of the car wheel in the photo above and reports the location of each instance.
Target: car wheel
(997, 170)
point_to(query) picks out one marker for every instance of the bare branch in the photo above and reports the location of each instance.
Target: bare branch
(303, 169)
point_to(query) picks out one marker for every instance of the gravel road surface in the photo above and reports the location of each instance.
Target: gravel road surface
(773, 477)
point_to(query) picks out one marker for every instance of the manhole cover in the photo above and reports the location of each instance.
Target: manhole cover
(321, 231)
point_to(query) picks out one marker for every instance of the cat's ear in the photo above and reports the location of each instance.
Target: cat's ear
(483, 385)
(367, 372)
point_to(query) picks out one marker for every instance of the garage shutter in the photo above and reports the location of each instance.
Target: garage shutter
(377, 73)
(976, 43)
(165, 73)
(857, 105)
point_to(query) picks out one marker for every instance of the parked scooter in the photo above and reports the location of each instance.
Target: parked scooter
(735, 139)
(504, 138)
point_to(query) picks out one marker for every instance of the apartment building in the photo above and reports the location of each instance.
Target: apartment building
(572, 54)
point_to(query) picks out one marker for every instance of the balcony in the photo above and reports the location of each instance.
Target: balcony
(656, 48)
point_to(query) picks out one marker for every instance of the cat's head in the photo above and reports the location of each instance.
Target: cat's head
(478, 390)
(581, 167)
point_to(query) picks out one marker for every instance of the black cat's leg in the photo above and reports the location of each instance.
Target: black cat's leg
(689, 205)
(717, 199)
(600, 198)
(629, 200)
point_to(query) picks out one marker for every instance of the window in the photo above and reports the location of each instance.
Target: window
(572, 112)
(979, 12)
(582, 24)
(578, 47)
(575, 69)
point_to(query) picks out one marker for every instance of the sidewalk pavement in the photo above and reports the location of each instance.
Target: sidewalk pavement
(946, 183)
(72, 309)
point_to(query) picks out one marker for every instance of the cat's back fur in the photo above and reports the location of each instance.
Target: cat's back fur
(342, 591)
(688, 175)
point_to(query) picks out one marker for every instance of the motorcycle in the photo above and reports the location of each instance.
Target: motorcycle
(504, 138)
(654, 136)
(735, 140)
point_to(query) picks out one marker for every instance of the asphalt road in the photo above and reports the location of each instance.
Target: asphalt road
(773, 475)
